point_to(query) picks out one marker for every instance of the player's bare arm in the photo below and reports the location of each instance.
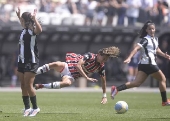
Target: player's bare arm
(18, 12)
(165, 55)
(103, 82)
(80, 69)
(38, 28)
(133, 52)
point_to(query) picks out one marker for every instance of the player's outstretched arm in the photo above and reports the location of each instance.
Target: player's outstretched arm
(38, 28)
(133, 52)
(18, 12)
(80, 69)
(104, 98)
(165, 55)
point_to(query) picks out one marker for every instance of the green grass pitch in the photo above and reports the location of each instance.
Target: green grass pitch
(85, 106)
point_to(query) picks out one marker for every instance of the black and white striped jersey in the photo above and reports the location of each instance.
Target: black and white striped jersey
(149, 46)
(28, 50)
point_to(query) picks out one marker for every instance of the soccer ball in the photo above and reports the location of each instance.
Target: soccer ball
(121, 107)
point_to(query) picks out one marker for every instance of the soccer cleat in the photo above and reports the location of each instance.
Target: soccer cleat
(38, 86)
(27, 112)
(34, 112)
(113, 92)
(167, 103)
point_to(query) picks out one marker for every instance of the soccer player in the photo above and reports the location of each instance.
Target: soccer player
(147, 65)
(76, 66)
(28, 59)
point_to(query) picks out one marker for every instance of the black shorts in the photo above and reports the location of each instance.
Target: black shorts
(148, 68)
(28, 67)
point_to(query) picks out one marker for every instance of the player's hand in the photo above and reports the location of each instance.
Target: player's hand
(33, 16)
(92, 79)
(167, 56)
(104, 100)
(127, 60)
(18, 12)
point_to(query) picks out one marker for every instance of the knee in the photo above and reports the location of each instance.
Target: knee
(163, 80)
(27, 87)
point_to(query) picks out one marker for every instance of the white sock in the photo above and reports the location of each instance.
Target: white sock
(54, 85)
(43, 69)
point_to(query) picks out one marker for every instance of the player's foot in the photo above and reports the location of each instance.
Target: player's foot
(39, 86)
(113, 92)
(35, 112)
(167, 103)
(27, 112)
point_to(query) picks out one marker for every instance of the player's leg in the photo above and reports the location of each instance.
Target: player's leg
(162, 86)
(57, 66)
(66, 81)
(140, 78)
(25, 95)
(29, 80)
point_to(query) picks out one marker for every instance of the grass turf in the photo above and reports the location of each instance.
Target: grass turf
(85, 106)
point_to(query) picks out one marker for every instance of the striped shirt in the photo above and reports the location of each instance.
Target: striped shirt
(90, 65)
(28, 50)
(149, 46)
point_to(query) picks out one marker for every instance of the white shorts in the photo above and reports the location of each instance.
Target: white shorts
(66, 72)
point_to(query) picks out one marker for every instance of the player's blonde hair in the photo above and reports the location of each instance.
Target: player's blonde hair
(110, 51)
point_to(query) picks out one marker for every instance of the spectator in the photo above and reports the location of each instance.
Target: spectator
(132, 11)
(80, 7)
(158, 12)
(121, 11)
(60, 7)
(100, 11)
(71, 6)
(90, 11)
(146, 6)
(45, 6)
(5, 9)
(111, 11)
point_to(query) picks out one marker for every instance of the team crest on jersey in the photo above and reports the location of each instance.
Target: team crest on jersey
(86, 56)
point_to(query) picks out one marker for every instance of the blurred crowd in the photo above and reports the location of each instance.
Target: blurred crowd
(91, 12)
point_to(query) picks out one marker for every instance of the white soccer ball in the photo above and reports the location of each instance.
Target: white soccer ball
(121, 107)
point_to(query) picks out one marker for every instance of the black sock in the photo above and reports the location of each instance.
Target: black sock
(163, 95)
(121, 87)
(34, 102)
(26, 101)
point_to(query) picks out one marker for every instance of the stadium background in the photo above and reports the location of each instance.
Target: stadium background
(68, 32)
